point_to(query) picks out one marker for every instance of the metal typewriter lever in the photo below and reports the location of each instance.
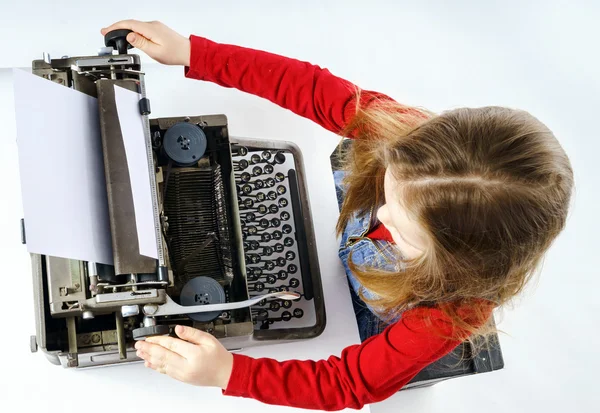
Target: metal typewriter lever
(172, 308)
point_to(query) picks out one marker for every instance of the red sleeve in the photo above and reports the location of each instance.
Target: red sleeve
(303, 88)
(363, 374)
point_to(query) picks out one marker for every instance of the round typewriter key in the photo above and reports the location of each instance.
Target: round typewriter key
(277, 235)
(269, 169)
(259, 286)
(272, 195)
(281, 190)
(246, 189)
(292, 268)
(248, 203)
(280, 261)
(294, 283)
(279, 158)
(245, 177)
(254, 259)
(262, 209)
(282, 275)
(269, 182)
(269, 265)
(275, 222)
(257, 271)
(254, 245)
(288, 241)
(290, 255)
(286, 304)
(284, 288)
(274, 306)
(298, 313)
(266, 155)
(279, 177)
(266, 237)
(252, 230)
(264, 223)
(242, 151)
(260, 197)
(278, 247)
(243, 164)
(255, 158)
(262, 302)
(287, 229)
(284, 216)
(271, 279)
(257, 170)
(250, 216)
(282, 202)
(273, 209)
(286, 316)
(267, 250)
(259, 184)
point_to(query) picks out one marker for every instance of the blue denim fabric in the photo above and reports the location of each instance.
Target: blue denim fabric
(372, 253)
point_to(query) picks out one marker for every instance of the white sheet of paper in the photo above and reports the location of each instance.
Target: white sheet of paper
(132, 128)
(62, 173)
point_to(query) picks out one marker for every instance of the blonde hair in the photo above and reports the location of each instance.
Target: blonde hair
(490, 186)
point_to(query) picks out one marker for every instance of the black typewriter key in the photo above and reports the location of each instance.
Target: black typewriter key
(253, 245)
(292, 268)
(279, 158)
(288, 242)
(266, 237)
(290, 255)
(249, 216)
(282, 275)
(262, 209)
(273, 209)
(267, 250)
(264, 223)
(254, 259)
(277, 235)
(285, 216)
(286, 304)
(281, 190)
(274, 306)
(245, 177)
(259, 286)
(266, 155)
(278, 247)
(241, 165)
(271, 279)
(286, 316)
(259, 184)
(298, 312)
(257, 170)
(280, 261)
(282, 202)
(262, 302)
(269, 182)
(246, 189)
(257, 271)
(255, 159)
(269, 265)
(272, 195)
(260, 197)
(252, 230)
(284, 288)
(248, 203)
(275, 222)
(279, 177)
(294, 283)
(269, 169)
(287, 229)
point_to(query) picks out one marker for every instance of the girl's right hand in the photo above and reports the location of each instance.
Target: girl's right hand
(156, 40)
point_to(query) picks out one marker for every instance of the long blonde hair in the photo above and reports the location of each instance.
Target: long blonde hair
(490, 186)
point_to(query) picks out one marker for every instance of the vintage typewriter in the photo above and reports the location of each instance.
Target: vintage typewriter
(236, 248)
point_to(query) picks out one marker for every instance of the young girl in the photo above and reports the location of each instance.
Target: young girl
(443, 218)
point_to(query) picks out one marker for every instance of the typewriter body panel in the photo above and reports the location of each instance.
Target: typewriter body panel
(233, 223)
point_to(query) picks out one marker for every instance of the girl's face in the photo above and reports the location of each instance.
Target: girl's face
(406, 232)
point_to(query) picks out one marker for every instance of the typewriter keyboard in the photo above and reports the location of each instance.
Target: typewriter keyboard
(268, 197)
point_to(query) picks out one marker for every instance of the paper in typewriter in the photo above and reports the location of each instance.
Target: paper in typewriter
(62, 173)
(63, 183)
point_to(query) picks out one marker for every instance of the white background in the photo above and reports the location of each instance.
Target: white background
(541, 56)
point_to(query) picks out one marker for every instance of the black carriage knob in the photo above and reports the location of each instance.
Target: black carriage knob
(117, 39)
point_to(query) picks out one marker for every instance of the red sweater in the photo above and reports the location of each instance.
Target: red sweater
(383, 364)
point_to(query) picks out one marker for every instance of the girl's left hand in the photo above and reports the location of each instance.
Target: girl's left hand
(196, 358)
